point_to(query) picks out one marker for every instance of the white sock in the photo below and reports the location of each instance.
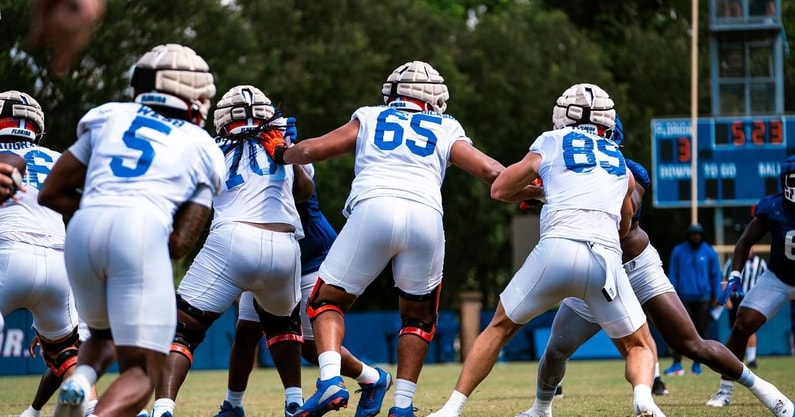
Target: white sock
(87, 373)
(294, 395)
(90, 406)
(235, 397)
(727, 385)
(656, 370)
(162, 405)
(330, 363)
(404, 393)
(750, 354)
(369, 375)
(455, 404)
(642, 394)
(32, 411)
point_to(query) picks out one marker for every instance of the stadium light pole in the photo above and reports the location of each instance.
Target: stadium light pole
(694, 113)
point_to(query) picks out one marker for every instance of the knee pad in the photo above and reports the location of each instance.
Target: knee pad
(191, 329)
(59, 356)
(314, 307)
(280, 328)
(419, 326)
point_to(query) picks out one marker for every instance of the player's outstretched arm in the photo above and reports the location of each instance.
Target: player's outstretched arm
(514, 184)
(475, 162)
(752, 234)
(61, 190)
(337, 142)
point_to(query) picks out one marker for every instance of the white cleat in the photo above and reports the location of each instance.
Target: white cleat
(532, 412)
(72, 400)
(647, 410)
(721, 398)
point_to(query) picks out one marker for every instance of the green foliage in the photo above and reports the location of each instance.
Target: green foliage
(505, 62)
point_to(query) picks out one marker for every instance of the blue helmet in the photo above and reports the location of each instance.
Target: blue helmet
(787, 177)
(640, 173)
(618, 131)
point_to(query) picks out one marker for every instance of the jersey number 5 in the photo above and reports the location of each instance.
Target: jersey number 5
(582, 153)
(135, 139)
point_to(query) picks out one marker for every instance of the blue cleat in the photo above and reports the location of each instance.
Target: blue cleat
(402, 412)
(675, 370)
(373, 394)
(142, 413)
(331, 394)
(291, 410)
(227, 410)
(696, 368)
(72, 400)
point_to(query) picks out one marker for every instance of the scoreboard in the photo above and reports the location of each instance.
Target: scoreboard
(738, 159)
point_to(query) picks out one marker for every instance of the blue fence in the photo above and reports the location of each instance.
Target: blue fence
(373, 338)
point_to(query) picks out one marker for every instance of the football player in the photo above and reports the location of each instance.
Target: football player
(402, 151)
(256, 224)
(588, 190)
(31, 248)
(574, 323)
(774, 214)
(138, 183)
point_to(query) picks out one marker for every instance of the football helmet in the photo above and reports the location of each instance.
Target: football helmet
(584, 104)
(242, 108)
(174, 76)
(21, 116)
(417, 80)
(787, 177)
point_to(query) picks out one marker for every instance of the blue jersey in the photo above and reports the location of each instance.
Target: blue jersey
(780, 221)
(641, 177)
(318, 235)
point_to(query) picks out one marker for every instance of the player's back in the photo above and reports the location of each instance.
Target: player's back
(780, 221)
(402, 154)
(25, 220)
(585, 181)
(138, 158)
(256, 189)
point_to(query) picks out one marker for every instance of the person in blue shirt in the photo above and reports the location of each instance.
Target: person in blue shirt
(775, 214)
(695, 273)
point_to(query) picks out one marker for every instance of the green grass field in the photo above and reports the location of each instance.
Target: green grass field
(591, 388)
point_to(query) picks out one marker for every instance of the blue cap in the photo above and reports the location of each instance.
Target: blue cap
(695, 228)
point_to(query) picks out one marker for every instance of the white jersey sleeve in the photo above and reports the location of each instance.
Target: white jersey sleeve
(585, 181)
(256, 189)
(138, 158)
(402, 154)
(25, 220)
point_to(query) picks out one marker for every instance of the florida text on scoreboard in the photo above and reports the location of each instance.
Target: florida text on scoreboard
(738, 159)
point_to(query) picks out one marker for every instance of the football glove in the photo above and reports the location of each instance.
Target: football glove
(273, 141)
(733, 287)
(533, 202)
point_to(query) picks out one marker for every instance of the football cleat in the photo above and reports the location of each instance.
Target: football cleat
(721, 398)
(228, 410)
(696, 368)
(675, 370)
(373, 394)
(658, 387)
(402, 412)
(291, 410)
(532, 412)
(72, 400)
(331, 394)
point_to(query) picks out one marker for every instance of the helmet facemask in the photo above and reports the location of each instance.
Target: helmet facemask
(788, 183)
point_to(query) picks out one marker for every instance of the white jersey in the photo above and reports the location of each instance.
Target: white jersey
(585, 181)
(25, 220)
(138, 158)
(402, 154)
(256, 189)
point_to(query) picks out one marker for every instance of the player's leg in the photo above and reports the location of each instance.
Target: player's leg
(527, 295)
(374, 382)
(360, 252)
(84, 256)
(248, 333)
(761, 302)
(206, 291)
(569, 331)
